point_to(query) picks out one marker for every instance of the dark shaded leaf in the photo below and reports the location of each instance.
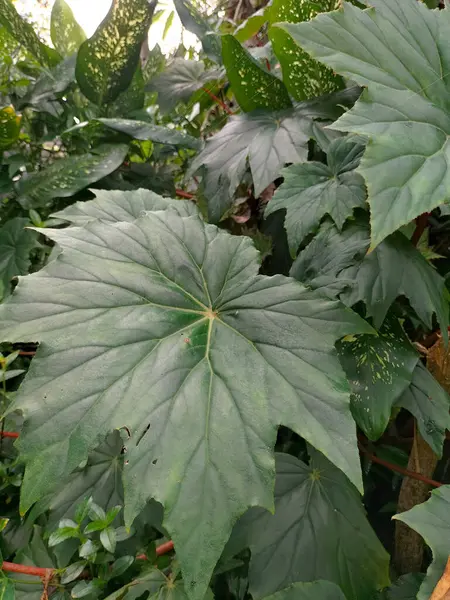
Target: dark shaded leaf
(405, 588)
(51, 83)
(16, 243)
(67, 35)
(316, 590)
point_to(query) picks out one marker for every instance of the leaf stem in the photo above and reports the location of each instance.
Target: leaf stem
(9, 434)
(184, 194)
(226, 108)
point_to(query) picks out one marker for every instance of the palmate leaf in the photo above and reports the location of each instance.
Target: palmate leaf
(303, 76)
(311, 190)
(67, 35)
(254, 87)
(68, 175)
(180, 80)
(317, 590)
(432, 521)
(166, 328)
(106, 62)
(16, 243)
(319, 531)
(404, 110)
(122, 206)
(429, 403)
(379, 369)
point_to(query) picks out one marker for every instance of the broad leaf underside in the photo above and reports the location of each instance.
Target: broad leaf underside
(164, 327)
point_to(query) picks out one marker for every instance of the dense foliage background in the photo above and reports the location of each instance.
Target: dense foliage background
(224, 304)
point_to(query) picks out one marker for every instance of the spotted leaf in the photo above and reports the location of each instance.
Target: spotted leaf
(67, 35)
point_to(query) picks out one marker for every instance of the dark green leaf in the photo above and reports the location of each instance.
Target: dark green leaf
(195, 23)
(51, 83)
(140, 130)
(404, 110)
(379, 369)
(115, 206)
(312, 190)
(254, 87)
(66, 176)
(16, 243)
(107, 61)
(431, 520)
(317, 590)
(132, 99)
(73, 571)
(6, 589)
(120, 565)
(67, 35)
(405, 588)
(319, 531)
(151, 581)
(177, 313)
(9, 127)
(180, 80)
(429, 403)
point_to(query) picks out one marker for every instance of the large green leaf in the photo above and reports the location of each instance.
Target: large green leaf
(254, 87)
(303, 76)
(432, 521)
(9, 127)
(312, 190)
(68, 175)
(430, 404)
(196, 23)
(379, 369)
(404, 110)
(140, 130)
(319, 531)
(49, 85)
(16, 242)
(267, 140)
(67, 35)
(107, 61)
(180, 80)
(24, 33)
(120, 206)
(316, 590)
(164, 326)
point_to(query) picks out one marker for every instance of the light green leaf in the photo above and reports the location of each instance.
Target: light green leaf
(66, 176)
(429, 403)
(62, 534)
(107, 61)
(67, 35)
(254, 87)
(168, 24)
(196, 23)
(303, 76)
(140, 130)
(115, 206)
(316, 590)
(319, 531)
(379, 369)
(180, 80)
(431, 520)
(24, 33)
(252, 25)
(6, 589)
(167, 316)
(16, 243)
(404, 110)
(311, 190)
(73, 571)
(108, 539)
(9, 127)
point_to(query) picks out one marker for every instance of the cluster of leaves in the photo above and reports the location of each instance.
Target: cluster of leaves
(216, 271)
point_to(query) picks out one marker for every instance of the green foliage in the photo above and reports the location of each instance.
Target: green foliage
(9, 127)
(67, 35)
(16, 242)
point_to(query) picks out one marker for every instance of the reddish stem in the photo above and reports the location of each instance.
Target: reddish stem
(160, 550)
(398, 469)
(27, 570)
(226, 108)
(421, 224)
(24, 353)
(183, 194)
(9, 434)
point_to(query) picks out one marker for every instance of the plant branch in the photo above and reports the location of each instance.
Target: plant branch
(226, 108)
(9, 434)
(27, 570)
(183, 194)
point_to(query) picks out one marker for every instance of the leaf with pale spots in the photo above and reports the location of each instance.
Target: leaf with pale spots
(311, 190)
(119, 206)
(67, 176)
(164, 326)
(379, 369)
(254, 87)
(67, 35)
(319, 531)
(107, 61)
(9, 127)
(16, 243)
(303, 76)
(429, 403)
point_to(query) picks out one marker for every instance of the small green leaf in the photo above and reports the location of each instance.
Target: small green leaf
(311, 190)
(6, 589)
(107, 61)
(108, 539)
(197, 24)
(9, 127)
(94, 526)
(431, 520)
(120, 565)
(112, 514)
(95, 511)
(67, 176)
(379, 369)
(252, 25)
(316, 590)
(67, 35)
(81, 511)
(83, 589)
(168, 24)
(89, 549)
(254, 87)
(73, 571)
(60, 535)
(16, 243)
